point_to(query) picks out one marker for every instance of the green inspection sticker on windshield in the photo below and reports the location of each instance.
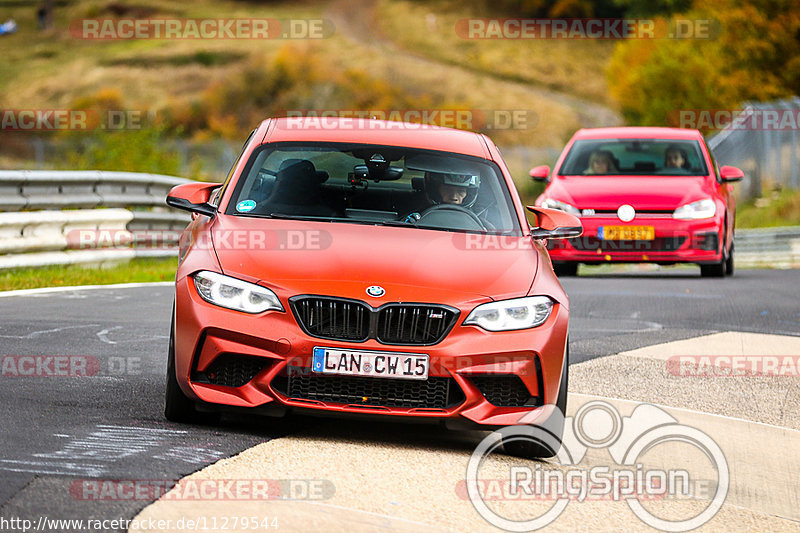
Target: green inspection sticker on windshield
(245, 205)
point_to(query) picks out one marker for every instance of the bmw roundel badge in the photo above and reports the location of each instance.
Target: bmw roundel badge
(376, 291)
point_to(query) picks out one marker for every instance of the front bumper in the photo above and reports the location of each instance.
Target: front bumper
(676, 241)
(269, 349)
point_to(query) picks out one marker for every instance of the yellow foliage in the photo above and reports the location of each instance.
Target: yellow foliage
(753, 57)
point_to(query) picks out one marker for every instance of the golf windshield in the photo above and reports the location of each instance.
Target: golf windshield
(640, 157)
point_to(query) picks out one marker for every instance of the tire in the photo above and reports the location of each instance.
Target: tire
(177, 407)
(565, 269)
(729, 263)
(717, 270)
(530, 448)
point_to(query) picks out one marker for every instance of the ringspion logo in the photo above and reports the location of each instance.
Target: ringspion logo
(628, 440)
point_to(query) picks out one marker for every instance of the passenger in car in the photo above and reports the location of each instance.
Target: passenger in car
(297, 190)
(601, 162)
(675, 157)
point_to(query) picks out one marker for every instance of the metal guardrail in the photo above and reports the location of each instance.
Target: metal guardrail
(44, 189)
(768, 154)
(34, 231)
(66, 217)
(767, 239)
(774, 247)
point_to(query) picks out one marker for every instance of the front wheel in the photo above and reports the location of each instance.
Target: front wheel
(177, 407)
(729, 263)
(533, 447)
(719, 270)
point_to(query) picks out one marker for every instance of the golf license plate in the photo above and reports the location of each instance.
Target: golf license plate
(626, 233)
(368, 363)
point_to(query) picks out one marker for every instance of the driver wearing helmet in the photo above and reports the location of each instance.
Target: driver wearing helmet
(455, 189)
(443, 188)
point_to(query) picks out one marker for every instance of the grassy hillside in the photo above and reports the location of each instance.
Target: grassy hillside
(570, 66)
(205, 89)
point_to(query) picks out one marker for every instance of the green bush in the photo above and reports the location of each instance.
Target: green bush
(130, 150)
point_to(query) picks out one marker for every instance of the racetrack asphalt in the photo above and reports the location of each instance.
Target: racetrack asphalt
(59, 430)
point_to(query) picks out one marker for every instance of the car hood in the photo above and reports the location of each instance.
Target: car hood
(642, 192)
(341, 259)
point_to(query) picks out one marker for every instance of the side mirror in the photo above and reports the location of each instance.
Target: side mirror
(554, 224)
(193, 197)
(540, 173)
(730, 174)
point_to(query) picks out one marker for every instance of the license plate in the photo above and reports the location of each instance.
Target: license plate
(373, 364)
(626, 233)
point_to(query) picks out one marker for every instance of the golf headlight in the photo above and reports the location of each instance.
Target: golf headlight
(235, 294)
(506, 315)
(696, 210)
(561, 206)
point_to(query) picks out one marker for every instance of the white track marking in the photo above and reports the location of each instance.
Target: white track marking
(51, 290)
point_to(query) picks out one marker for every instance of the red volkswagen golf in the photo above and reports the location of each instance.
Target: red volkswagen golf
(369, 268)
(643, 195)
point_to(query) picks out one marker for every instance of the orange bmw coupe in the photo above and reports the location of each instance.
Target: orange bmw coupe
(370, 269)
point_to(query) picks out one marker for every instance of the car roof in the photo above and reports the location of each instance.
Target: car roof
(636, 132)
(371, 131)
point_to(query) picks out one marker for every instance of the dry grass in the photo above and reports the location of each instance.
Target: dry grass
(571, 66)
(776, 208)
(53, 70)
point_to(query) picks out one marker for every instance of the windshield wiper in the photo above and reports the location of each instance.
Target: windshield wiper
(283, 216)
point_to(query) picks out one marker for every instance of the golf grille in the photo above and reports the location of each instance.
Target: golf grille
(659, 244)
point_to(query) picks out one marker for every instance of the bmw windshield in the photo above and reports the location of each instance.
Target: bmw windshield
(367, 184)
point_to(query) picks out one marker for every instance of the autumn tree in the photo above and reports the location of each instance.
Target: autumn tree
(752, 53)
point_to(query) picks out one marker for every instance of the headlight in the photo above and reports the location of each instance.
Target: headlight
(235, 294)
(696, 210)
(561, 206)
(519, 313)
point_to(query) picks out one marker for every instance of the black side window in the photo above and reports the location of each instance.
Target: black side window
(214, 200)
